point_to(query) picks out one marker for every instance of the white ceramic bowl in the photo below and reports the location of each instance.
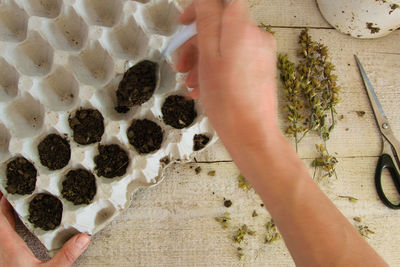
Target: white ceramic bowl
(362, 18)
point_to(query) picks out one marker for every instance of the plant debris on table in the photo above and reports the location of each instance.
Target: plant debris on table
(112, 161)
(54, 152)
(350, 198)
(137, 86)
(224, 220)
(178, 111)
(45, 211)
(87, 126)
(79, 187)
(200, 141)
(272, 232)
(242, 183)
(21, 176)
(211, 173)
(145, 136)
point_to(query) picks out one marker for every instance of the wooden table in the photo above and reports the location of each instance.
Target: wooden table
(173, 224)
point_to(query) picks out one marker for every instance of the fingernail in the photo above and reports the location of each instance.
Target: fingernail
(190, 89)
(82, 241)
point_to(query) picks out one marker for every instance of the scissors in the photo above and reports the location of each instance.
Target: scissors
(391, 147)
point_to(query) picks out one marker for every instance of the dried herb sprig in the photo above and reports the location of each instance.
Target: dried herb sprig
(319, 84)
(365, 231)
(272, 232)
(325, 162)
(267, 28)
(224, 220)
(238, 237)
(242, 183)
(293, 95)
(240, 253)
(349, 198)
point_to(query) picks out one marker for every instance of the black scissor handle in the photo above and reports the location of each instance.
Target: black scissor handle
(386, 162)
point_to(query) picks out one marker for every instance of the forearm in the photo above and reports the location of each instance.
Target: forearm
(314, 230)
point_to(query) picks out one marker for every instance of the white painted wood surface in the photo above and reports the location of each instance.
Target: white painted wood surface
(173, 224)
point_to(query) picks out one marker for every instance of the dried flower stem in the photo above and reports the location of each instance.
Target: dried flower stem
(294, 107)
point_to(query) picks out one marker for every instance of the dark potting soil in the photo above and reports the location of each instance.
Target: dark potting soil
(146, 136)
(21, 176)
(137, 86)
(178, 112)
(112, 161)
(79, 187)
(45, 211)
(200, 141)
(54, 152)
(87, 125)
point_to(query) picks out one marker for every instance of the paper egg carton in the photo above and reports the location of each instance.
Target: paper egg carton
(59, 56)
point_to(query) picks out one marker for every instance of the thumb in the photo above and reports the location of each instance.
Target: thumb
(70, 251)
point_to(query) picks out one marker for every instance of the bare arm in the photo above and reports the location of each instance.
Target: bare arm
(231, 66)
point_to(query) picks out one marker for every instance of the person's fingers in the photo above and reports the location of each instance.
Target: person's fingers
(194, 93)
(208, 17)
(70, 251)
(269, 40)
(189, 15)
(192, 80)
(7, 211)
(237, 12)
(187, 56)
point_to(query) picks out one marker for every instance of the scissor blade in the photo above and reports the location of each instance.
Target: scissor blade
(369, 87)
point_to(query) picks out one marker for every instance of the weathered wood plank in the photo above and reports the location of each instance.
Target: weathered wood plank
(353, 136)
(173, 224)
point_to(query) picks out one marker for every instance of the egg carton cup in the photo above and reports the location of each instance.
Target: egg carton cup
(60, 56)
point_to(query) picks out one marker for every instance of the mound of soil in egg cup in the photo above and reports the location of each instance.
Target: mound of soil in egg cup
(87, 126)
(178, 111)
(112, 161)
(79, 186)
(200, 141)
(45, 212)
(21, 176)
(54, 152)
(145, 136)
(137, 86)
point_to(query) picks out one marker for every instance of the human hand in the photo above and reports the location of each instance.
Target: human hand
(15, 253)
(231, 65)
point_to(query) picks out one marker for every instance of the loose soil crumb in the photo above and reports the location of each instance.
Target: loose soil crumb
(45, 211)
(178, 112)
(197, 170)
(370, 26)
(54, 152)
(21, 176)
(200, 141)
(146, 136)
(87, 125)
(137, 86)
(165, 160)
(79, 187)
(112, 161)
(227, 203)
